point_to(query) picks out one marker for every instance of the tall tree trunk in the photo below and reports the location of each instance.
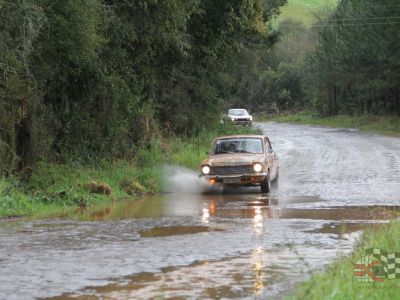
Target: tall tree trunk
(23, 144)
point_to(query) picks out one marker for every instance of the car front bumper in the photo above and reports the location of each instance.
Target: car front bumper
(242, 122)
(236, 179)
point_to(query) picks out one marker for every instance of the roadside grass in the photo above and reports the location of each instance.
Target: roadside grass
(55, 188)
(387, 125)
(338, 281)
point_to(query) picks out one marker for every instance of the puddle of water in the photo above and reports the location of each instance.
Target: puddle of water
(177, 205)
(257, 274)
(343, 213)
(233, 239)
(230, 206)
(53, 225)
(345, 228)
(176, 230)
(10, 218)
(271, 209)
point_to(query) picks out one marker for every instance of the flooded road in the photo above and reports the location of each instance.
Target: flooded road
(241, 244)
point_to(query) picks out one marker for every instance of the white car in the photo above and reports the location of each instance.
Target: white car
(238, 116)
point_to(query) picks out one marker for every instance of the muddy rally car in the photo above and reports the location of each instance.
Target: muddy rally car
(244, 160)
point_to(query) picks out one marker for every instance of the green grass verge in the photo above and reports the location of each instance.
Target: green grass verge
(387, 125)
(57, 187)
(305, 11)
(338, 281)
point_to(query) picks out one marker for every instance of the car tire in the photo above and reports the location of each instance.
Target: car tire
(266, 184)
(276, 179)
(275, 182)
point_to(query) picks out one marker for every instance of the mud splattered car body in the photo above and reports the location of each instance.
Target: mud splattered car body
(243, 160)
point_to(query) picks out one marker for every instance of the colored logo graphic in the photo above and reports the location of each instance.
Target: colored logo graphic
(377, 266)
(368, 269)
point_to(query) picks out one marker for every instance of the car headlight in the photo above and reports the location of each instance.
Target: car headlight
(251, 118)
(205, 170)
(257, 167)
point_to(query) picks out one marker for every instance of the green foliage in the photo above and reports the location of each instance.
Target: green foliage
(281, 81)
(11, 200)
(19, 27)
(354, 68)
(91, 90)
(343, 60)
(100, 79)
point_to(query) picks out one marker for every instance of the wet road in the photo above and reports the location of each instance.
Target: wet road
(240, 245)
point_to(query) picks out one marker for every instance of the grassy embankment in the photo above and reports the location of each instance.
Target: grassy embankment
(304, 11)
(338, 281)
(387, 125)
(54, 187)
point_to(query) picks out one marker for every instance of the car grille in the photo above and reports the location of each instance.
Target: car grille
(231, 170)
(242, 120)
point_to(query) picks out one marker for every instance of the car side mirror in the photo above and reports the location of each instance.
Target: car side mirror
(270, 150)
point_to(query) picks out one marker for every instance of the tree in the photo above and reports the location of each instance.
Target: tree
(355, 66)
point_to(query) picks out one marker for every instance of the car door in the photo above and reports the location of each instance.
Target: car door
(272, 158)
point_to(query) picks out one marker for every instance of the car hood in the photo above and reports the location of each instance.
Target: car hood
(232, 159)
(239, 116)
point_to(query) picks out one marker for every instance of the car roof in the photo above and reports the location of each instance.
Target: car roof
(258, 136)
(237, 109)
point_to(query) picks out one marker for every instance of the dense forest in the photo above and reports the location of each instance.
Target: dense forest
(347, 62)
(99, 78)
(356, 65)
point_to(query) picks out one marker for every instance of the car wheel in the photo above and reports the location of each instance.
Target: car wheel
(277, 176)
(266, 184)
(275, 182)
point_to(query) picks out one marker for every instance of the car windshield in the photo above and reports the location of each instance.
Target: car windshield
(238, 145)
(238, 112)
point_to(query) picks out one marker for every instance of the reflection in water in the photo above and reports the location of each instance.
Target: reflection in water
(258, 224)
(260, 215)
(175, 230)
(257, 266)
(240, 206)
(258, 270)
(205, 215)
